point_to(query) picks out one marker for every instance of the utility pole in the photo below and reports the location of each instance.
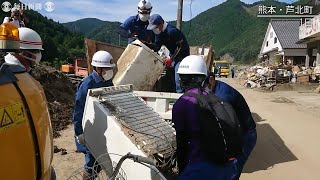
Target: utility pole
(179, 18)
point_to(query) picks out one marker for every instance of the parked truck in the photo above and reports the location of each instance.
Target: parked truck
(221, 68)
(78, 68)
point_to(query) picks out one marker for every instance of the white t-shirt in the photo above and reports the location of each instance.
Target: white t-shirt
(15, 22)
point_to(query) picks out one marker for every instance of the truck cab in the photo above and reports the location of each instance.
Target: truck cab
(221, 68)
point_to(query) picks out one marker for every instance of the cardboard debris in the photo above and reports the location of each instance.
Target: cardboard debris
(296, 69)
(316, 70)
(303, 78)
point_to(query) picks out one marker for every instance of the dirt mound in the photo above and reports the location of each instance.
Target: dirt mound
(282, 100)
(60, 96)
(317, 90)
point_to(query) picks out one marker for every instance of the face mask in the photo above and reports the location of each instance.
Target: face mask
(144, 17)
(156, 31)
(32, 56)
(38, 57)
(108, 75)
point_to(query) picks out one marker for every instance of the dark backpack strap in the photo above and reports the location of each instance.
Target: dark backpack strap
(201, 98)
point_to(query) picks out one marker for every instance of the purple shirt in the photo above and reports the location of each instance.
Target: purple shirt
(184, 116)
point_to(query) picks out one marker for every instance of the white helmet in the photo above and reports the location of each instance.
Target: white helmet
(14, 9)
(144, 7)
(102, 59)
(193, 64)
(29, 39)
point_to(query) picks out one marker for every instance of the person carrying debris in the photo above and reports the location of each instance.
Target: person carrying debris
(18, 17)
(135, 27)
(30, 50)
(200, 134)
(173, 39)
(103, 65)
(249, 134)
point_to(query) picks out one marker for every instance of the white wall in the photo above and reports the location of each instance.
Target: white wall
(269, 37)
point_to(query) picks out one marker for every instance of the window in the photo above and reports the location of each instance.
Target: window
(223, 65)
(275, 40)
(267, 43)
(271, 35)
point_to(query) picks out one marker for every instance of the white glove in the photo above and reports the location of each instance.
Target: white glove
(80, 139)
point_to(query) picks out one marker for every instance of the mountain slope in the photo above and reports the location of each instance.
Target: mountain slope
(108, 33)
(231, 27)
(58, 42)
(84, 26)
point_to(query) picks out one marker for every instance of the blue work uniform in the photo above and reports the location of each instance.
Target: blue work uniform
(229, 94)
(92, 81)
(134, 26)
(232, 72)
(191, 160)
(173, 38)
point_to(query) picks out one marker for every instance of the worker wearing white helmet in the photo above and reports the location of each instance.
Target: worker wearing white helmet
(191, 158)
(18, 17)
(30, 144)
(135, 27)
(103, 65)
(30, 50)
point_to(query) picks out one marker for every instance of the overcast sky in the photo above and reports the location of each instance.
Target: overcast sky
(119, 10)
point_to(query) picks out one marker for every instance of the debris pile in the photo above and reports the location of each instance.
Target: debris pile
(59, 92)
(270, 76)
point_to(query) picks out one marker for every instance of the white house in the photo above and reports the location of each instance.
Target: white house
(309, 34)
(280, 41)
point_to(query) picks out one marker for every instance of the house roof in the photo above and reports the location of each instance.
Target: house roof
(287, 32)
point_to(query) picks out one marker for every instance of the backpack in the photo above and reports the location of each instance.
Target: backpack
(220, 131)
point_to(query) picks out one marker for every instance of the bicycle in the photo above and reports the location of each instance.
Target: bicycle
(118, 173)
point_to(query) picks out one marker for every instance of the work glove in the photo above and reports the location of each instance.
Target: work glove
(168, 63)
(80, 139)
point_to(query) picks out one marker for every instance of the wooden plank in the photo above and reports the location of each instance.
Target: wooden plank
(91, 48)
(115, 51)
(303, 79)
(194, 50)
(210, 58)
